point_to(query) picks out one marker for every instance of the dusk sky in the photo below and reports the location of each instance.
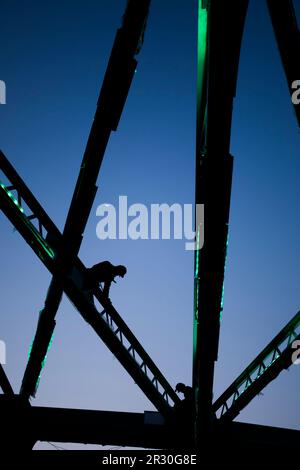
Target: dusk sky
(53, 58)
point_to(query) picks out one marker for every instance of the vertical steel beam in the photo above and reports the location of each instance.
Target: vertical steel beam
(220, 29)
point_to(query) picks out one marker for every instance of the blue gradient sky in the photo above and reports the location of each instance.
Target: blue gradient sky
(53, 57)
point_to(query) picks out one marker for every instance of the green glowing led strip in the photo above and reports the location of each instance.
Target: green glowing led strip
(40, 239)
(12, 197)
(201, 49)
(223, 285)
(43, 362)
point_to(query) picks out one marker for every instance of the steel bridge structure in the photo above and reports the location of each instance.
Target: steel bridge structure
(220, 32)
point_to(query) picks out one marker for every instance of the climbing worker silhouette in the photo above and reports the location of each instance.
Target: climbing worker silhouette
(105, 273)
(185, 389)
(185, 410)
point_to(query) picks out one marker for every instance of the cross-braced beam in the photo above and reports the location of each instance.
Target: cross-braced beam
(117, 80)
(275, 357)
(23, 210)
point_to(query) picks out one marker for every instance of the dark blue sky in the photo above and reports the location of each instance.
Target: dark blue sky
(53, 58)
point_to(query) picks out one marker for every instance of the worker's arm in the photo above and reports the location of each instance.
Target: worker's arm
(106, 288)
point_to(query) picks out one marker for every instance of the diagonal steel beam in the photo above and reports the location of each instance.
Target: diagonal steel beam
(287, 35)
(28, 217)
(275, 357)
(117, 80)
(4, 382)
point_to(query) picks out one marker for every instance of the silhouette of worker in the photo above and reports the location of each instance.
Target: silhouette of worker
(185, 410)
(103, 273)
(186, 390)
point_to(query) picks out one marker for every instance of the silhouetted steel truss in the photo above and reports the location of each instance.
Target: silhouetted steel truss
(220, 29)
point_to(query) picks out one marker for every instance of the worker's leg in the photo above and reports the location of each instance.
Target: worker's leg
(90, 296)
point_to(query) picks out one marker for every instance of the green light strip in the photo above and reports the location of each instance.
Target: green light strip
(12, 197)
(49, 252)
(43, 361)
(196, 290)
(223, 286)
(196, 316)
(197, 253)
(201, 50)
(264, 369)
(29, 351)
(37, 235)
(201, 62)
(254, 379)
(40, 239)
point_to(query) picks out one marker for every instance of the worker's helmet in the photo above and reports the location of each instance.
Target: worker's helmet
(121, 270)
(180, 387)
